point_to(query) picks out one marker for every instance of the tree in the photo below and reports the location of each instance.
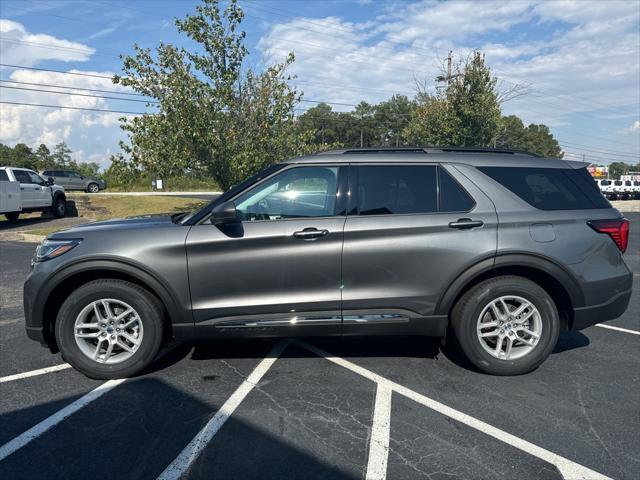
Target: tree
(61, 155)
(391, 118)
(215, 114)
(619, 168)
(45, 159)
(23, 156)
(467, 113)
(534, 138)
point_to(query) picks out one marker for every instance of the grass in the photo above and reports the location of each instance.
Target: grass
(104, 207)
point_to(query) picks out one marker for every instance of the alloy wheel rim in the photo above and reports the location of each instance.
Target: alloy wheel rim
(93, 188)
(509, 327)
(108, 331)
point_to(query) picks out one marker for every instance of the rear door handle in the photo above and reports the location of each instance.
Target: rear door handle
(466, 223)
(310, 233)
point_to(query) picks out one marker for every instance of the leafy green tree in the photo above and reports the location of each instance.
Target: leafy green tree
(45, 159)
(391, 118)
(467, 113)
(537, 139)
(22, 156)
(473, 97)
(619, 168)
(61, 155)
(215, 114)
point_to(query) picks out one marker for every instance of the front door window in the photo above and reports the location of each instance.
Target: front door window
(300, 192)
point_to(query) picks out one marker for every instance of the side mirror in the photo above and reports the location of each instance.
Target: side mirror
(224, 213)
(50, 181)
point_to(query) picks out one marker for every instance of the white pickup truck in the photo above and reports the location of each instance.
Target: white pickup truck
(24, 191)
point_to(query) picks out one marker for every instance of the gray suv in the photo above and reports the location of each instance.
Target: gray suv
(502, 249)
(71, 180)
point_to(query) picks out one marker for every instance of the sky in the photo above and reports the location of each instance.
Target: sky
(578, 62)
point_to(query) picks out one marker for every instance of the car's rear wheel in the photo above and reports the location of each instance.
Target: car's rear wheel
(93, 188)
(12, 216)
(109, 329)
(59, 208)
(506, 325)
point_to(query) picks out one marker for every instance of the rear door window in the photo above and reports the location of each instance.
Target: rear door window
(3, 175)
(550, 188)
(401, 189)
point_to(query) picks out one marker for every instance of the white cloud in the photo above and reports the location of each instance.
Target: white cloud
(19, 47)
(579, 59)
(91, 135)
(634, 128)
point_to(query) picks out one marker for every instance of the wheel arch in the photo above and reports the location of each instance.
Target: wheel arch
(553, 278)
(66, 281)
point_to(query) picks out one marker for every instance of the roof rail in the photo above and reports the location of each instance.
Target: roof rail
(374, 150)
(506, 151)
(426, 150)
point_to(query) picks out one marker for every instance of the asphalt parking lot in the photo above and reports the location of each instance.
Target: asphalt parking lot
(360, 408)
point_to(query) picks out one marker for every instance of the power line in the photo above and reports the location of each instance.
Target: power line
(600, 152)
(80, 94)
(573, 144)
(273, 10)
(73, 88)
(88, 51)
(72, 108)
(57, 71)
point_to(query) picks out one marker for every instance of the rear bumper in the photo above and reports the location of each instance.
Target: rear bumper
(584, 317)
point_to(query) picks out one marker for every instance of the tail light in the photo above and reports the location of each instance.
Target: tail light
(617, 229)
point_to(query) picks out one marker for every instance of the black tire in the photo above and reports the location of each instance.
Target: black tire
(93, 188)
(467, 310)
(59, 208)
(144, 303)
(12, 216)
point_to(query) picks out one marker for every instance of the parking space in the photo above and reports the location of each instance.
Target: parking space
(359, 408)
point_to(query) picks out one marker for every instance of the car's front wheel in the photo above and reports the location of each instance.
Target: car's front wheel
(506, 325)
(93, 188)
(109, 328)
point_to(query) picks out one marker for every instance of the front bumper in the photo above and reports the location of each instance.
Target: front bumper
(584, 317)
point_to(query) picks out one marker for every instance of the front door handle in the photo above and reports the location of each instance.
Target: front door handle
(466, 223)
(310, 233)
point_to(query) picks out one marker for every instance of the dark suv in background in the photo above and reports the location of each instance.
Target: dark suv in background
(71, 180)
(501, 248)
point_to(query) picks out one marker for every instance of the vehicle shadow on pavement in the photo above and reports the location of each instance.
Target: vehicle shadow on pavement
(355, 347)
(152, 422)
(393, 347)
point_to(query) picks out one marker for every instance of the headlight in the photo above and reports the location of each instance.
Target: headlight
(54, 248)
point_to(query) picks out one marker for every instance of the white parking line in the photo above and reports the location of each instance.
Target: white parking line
(619, 329)
(380, 432)
(567, 468)
(37, 430)
(189, 454)
(33, 373)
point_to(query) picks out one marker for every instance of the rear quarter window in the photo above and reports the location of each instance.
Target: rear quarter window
(550, 188)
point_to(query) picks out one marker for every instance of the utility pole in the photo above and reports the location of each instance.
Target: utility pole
(449, 75)
(361, 138)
